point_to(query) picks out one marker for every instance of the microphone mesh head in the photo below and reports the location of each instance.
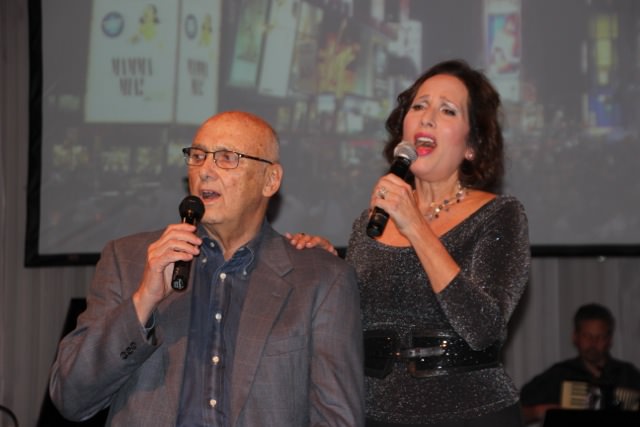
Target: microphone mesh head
(191, 206)
(407, 150)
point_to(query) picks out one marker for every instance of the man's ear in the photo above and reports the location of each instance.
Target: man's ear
(273, 180)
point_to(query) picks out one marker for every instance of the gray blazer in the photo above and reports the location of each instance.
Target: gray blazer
(298, 358)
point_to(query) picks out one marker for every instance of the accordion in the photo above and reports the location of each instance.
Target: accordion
(584, 395)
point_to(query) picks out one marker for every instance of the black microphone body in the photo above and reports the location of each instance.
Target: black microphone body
(191, 210)
(405, 154)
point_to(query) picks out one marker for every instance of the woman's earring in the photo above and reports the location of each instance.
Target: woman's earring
(469, 155)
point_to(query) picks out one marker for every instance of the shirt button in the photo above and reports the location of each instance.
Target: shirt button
(212, 245)
(212, 403)
(223, 276)
(204, 260)
(215, 360)
(218, 316)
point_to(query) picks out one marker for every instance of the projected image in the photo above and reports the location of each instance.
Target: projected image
(248, 43)
(504, 46)
(126, 83)
(148, 25)
(278, 48)
(504, 42)
(304, 73)
(198, 61)
(131, 72)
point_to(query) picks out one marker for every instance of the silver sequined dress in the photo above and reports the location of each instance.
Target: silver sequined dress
(492, 249)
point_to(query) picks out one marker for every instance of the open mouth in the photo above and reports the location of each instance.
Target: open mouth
(209, 195)
(425, 145)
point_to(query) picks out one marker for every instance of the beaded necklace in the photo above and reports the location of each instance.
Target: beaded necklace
(436, 208)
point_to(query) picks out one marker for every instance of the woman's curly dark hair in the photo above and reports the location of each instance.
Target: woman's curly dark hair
(485, 170)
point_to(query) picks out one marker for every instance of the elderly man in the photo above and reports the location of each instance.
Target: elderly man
(263, 335)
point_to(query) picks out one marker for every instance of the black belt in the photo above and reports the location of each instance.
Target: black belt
(433, 353)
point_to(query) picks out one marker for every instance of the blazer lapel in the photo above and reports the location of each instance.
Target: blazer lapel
(266, 295)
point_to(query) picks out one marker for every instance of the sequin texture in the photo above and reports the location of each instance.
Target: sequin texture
(492, 249)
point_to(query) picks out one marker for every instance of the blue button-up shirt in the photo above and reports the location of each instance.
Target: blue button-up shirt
(219, 288)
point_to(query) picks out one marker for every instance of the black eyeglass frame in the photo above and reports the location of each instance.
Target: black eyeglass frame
(187, 156)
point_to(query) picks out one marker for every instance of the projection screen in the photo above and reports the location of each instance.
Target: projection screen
(118, 87)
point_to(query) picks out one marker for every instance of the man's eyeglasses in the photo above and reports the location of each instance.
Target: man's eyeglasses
(224, 159)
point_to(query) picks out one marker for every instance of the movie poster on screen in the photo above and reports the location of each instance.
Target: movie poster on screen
(303, 76)
(197, 97)
(504, 45)
(279, 48)
(131, 73)
(247, 44)
(408, 44)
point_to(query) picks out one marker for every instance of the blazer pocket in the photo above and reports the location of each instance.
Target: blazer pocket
(285, 345)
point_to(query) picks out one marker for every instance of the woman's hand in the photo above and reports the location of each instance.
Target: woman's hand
(396, 197)
(303, 241)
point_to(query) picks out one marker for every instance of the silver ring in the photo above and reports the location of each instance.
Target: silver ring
(382, 192)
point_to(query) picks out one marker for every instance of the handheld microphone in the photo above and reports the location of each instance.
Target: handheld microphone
(404, 154)
(191, 211)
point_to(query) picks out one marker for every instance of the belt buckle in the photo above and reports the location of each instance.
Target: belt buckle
(431, 352)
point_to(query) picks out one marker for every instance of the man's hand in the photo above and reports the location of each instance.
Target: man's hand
(178, 243)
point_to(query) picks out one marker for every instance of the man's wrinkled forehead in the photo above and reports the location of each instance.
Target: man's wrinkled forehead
(237, 132)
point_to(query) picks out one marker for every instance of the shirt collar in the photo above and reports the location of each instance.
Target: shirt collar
(244, 258)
